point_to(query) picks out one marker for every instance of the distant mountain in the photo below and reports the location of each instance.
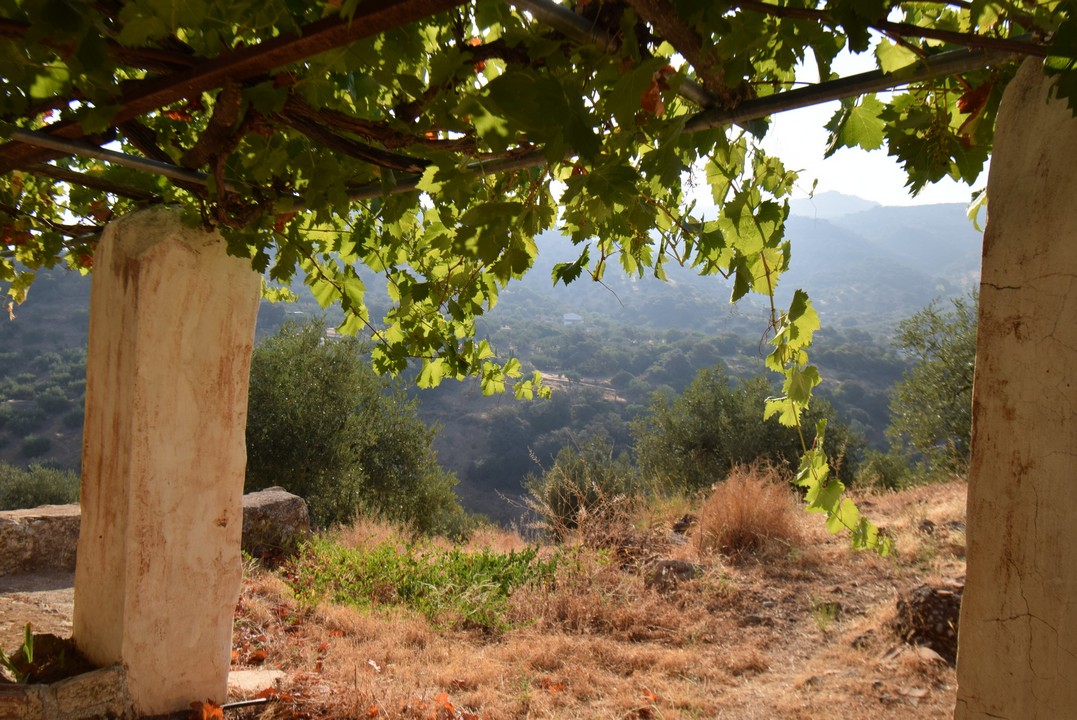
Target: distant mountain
(830, 205)
(869, 267)
(883, 264)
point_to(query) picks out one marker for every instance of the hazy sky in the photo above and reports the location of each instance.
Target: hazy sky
(799, 139)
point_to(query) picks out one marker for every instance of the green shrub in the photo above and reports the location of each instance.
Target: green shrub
(72, 419)
(582, 482)
(52, 400)
(690, 441)
(35, 446)
(450, 587)
(885, 471)
(25, 419)
(323, 425)
(19, 390)
(37, 485)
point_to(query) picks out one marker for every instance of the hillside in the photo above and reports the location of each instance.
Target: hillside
(865, 266)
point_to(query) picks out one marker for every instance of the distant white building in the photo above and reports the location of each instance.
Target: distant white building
(571, 319)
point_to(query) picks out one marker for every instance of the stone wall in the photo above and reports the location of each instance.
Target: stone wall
(90, 696)
(45, 538)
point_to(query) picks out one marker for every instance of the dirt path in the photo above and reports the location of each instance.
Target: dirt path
(46, 600)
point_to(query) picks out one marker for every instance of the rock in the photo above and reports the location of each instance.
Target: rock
(928, 616)
(681, 526)
(862, 640)
(42, 538)
(45, 538)
(665, 575)
(274, 522)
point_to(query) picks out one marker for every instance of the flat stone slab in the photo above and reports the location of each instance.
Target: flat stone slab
(251, 682)
(90, 696)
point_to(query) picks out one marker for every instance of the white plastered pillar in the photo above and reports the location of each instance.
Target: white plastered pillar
(158, 571)
(1017, 655)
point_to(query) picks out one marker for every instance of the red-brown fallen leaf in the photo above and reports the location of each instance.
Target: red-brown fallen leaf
(257, 657)
(373, 711)
(649, 696)
(551, 685)
(323, 647)
(443, 701)
(208, 710)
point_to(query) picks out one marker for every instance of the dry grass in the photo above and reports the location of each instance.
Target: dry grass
(752, 510)
(737, 641)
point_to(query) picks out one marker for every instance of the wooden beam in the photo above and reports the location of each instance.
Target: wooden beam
(240, 64)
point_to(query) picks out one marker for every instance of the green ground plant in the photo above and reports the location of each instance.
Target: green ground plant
(451, 588)
(7, 662)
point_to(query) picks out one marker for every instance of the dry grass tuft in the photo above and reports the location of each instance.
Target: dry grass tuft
(751, 511)
(368, 532)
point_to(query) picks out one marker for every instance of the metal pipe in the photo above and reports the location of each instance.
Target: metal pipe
(85, 149)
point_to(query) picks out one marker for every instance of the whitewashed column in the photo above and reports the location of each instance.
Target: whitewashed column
(1017, 652)
(158, 572)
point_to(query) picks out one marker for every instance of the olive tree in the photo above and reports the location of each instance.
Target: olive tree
(931, 406)
(692, 441)
(321, 424)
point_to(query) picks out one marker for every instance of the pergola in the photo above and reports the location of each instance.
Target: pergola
(175, 74)
(163, 453)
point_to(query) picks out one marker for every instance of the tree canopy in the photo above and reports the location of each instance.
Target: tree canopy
(431, 140)
(694, 440)
(931, 408)
(324, 426)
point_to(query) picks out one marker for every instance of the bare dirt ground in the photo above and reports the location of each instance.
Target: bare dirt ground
(46, 600)
(795, 632)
